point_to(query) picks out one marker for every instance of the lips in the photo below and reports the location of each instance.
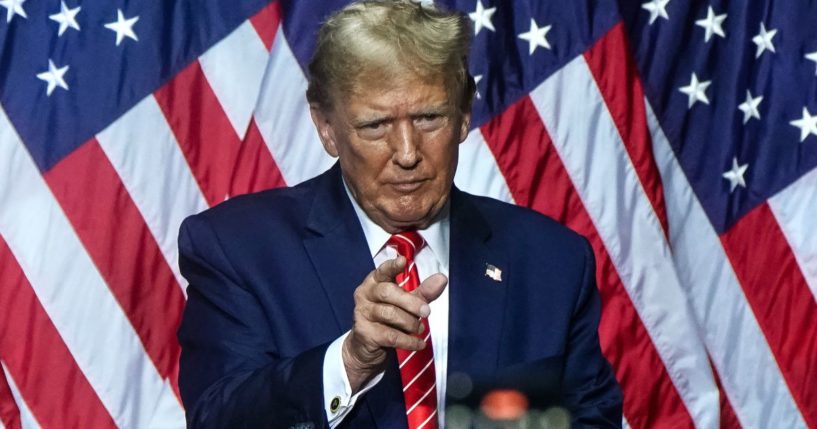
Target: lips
(407, 186)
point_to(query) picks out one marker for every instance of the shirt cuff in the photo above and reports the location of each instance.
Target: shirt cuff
(337, 391)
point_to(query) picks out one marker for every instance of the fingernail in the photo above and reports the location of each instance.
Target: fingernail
(421, 328)
(425, 310)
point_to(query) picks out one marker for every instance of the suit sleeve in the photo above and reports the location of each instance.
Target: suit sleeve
(231, 374)
(591, 391)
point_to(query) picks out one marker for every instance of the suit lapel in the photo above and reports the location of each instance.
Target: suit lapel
(477, 302)
(338, 250)
(337, 246)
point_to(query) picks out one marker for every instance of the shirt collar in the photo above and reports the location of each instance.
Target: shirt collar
(436, 235)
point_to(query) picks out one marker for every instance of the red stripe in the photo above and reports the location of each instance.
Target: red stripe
(537, 179)
(729, 420)
(255, 169)
(123, 249)
(54, 388)
(266, 23)
(222, 164)
(204, 133)
(614, 70)
(780, 299)
(9, 412)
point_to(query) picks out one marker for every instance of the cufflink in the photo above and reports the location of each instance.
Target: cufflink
(334, 405)
(493, 272)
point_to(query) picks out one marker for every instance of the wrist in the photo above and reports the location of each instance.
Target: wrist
(360, 371)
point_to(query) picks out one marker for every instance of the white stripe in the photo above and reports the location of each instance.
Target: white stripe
(411, 355)
(408, 277)
(749, 373)
(27, 419)
(428, 419)
(73, 293)
(795, 209)
(141, 147)
(590, 147)
(406, 387)
(477, 171)
(402, 237)
(283, 118)
(236, 86)
(403, 283)
(419, 400)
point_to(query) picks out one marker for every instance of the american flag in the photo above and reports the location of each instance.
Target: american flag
(679, 137)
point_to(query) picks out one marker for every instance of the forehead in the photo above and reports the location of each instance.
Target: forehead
(405, 92)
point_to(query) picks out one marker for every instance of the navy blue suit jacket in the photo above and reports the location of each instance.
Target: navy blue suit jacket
(271, 281)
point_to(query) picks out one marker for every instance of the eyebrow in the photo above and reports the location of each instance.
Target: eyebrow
(373, 118)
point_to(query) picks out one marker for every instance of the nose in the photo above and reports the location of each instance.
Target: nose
(405, 143)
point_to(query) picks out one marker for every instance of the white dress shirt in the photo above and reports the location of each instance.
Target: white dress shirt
(431, 259)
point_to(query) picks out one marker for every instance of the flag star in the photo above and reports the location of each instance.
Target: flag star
(763, 40)
(696, 90)
(807, 125)
(656, 8)
(13, 7)
(54, 78)
(749, 107)
(735, 175)
(477, 78)
(536, 36)
(482, 18)
(713, 24)
(123, 27)
(66, 18)
(813, 57)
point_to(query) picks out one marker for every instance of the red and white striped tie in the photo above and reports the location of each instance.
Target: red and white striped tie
(416, 368)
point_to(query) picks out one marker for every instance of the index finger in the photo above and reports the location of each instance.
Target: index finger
(388, 270)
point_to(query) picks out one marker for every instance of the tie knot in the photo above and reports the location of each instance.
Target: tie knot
(408, 243)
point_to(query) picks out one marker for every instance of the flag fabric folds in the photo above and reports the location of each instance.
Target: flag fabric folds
(679, 137)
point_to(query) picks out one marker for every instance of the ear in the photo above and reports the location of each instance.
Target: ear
(465, 124)
(324, 128)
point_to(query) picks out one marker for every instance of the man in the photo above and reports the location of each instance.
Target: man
(328, 304)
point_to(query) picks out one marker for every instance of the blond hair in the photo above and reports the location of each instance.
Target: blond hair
(375, 41)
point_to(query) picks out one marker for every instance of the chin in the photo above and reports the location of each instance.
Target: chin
(413, 217)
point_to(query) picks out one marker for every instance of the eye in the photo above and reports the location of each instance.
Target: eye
(372, 130)
(430, 121)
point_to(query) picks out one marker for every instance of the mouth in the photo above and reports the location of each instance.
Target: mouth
(407, 186)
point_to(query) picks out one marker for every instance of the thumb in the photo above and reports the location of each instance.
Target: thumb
(431, 288)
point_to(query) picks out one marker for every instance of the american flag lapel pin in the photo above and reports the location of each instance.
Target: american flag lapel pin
(493, 272)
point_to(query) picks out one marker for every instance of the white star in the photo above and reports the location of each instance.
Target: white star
(482, 18)
(536, 36)
(696, 90)
(13, 7)
(807, 124)
(477, 78)
(763, 40)
(66, 18)
(735, 175)
(54, 78)
(813, 57)
(656, 8)
(713, 24)
(123, 27)
(749, 107)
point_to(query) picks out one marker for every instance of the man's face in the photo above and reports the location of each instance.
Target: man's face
(397, 145)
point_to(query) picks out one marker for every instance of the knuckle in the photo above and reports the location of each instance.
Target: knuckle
(359, 314)
(391, 338)
(387, 312)
(383, 291)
